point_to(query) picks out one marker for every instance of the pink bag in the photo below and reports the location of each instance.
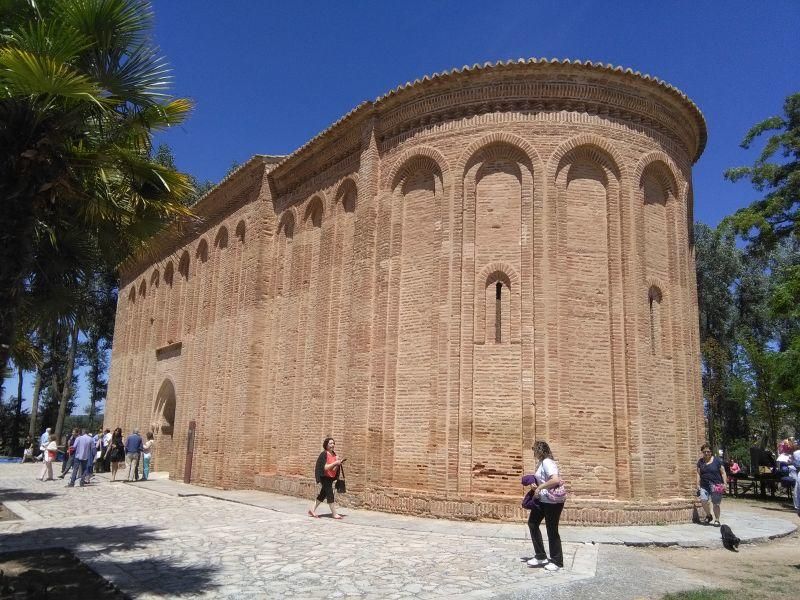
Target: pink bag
(718, 488)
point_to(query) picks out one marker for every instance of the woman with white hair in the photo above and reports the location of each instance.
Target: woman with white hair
(50, 453)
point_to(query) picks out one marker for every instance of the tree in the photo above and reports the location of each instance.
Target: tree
(770, 294)
(164, 156)
(777, 215)
(82, 89)
(718, 265)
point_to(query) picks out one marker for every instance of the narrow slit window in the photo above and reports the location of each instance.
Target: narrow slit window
(498, 314)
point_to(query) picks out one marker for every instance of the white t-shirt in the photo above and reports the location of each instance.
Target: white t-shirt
(51, 447)
(547, 468)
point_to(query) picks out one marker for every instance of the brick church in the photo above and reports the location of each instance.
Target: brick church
(473, 261)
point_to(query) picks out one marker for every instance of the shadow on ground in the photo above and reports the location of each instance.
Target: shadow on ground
(14, 495)
(101, 547)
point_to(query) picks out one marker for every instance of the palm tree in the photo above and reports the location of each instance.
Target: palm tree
(82, 89)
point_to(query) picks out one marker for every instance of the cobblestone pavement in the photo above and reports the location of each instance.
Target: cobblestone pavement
(167, 539)
(154, 545)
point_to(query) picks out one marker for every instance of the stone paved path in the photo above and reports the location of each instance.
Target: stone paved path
(166, 539)
(153, 545)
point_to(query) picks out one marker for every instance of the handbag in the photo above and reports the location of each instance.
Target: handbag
(529, 502)
(339, 484)
(718, 488)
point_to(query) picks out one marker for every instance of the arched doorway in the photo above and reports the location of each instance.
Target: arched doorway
(163, 426)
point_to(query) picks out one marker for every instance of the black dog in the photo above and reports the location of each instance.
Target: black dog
(729, 540)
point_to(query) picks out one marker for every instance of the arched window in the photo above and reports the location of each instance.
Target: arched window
(498, 308)
(240, 231)
(654, 303)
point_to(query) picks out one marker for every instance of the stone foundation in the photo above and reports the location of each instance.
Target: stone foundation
(576, 511)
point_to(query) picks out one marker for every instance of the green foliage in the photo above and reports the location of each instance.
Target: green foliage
(774, 217)
(164, 156)
(82, 90)
(749, 295)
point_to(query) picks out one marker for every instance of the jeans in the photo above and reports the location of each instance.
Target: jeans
(78, 465)
(146, 466)
(131, 465)
(551, 513)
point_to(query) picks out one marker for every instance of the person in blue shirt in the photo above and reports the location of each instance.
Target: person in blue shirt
(84, 445)
(133, 449)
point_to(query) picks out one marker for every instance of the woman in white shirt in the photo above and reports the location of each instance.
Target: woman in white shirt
(147, 449)
(50, 454)
(550, 493)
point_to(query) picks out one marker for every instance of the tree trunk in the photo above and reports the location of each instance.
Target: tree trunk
(67, 390)
(17, 412)
(37, 388)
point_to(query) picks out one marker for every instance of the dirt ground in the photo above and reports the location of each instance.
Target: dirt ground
(50, 574)
(764, 570)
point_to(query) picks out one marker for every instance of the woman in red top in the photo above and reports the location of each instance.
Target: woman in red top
(326, 472)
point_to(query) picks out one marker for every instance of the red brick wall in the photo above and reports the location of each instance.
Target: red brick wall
(351, 291)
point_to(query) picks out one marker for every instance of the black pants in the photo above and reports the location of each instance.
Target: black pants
(326, 493)
(551, 513)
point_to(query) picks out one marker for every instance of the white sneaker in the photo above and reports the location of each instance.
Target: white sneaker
(551, 567)
(538, 562)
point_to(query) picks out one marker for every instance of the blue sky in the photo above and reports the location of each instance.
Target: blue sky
(268, 76)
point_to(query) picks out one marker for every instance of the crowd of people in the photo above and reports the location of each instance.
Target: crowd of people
(85, 454)
(762, 464)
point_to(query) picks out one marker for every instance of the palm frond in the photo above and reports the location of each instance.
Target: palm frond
(24, 73)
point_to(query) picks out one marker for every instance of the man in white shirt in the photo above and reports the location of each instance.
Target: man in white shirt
(44, 439)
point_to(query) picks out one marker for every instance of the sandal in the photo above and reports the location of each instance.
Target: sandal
(715, 523)
(337, 517)
(311, 514)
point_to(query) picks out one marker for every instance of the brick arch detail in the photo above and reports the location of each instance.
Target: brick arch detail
(505, 268)
(222, 237)
(343, 186)
(202, 246)
(318, 200)
(596, 146)
(655, 282)
(241, 230)
(666, 171)
(287, 217)
(410, 160)
(155, 278)
(500, 138)
(481, 283)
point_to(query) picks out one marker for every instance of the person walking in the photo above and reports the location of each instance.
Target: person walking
(133, 447)
(83, 447)
(326, 472)
(711, 483)
(550, 495)
(147, 450)
(116, 452)
(104, 447)
(50, 453)
(44, 440)
(69, 457)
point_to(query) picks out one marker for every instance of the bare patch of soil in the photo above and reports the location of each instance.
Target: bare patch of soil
(50, 574)
(765, 570)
